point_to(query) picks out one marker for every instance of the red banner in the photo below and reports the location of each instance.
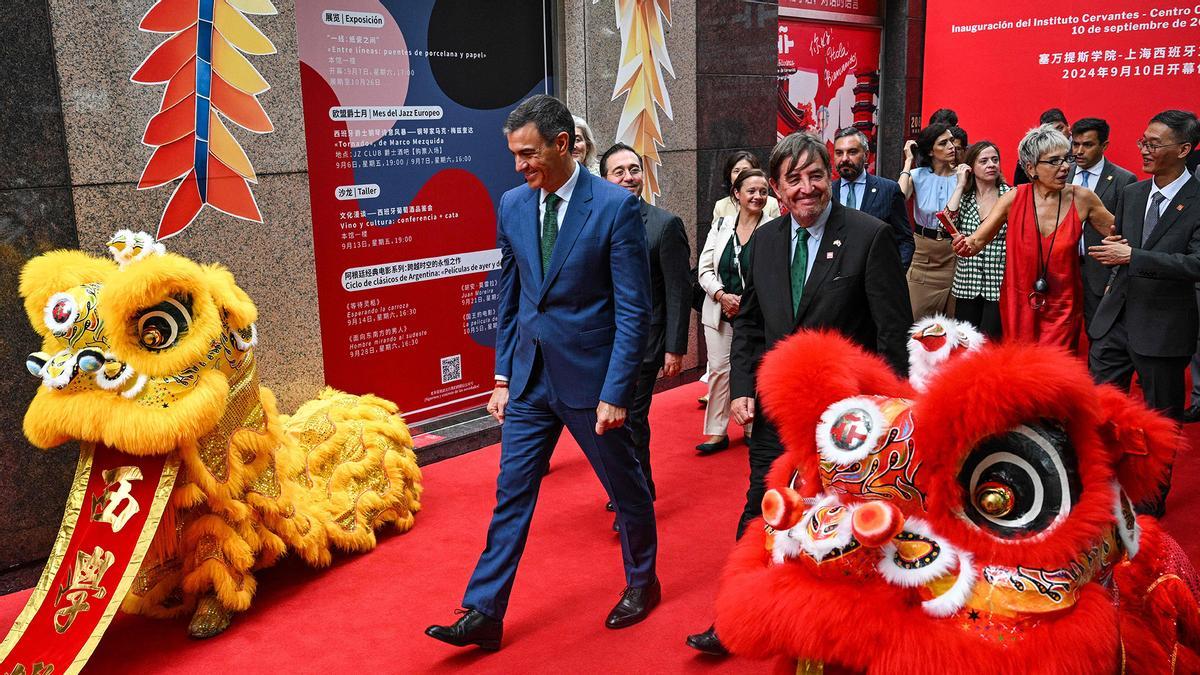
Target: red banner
(828, 79)
(999, 65)
(112, 512)
(852, 8)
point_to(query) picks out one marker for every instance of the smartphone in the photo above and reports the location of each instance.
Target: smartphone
(947, 223)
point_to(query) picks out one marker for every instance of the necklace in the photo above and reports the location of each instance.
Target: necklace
(1037, 299)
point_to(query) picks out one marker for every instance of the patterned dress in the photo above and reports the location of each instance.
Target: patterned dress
(981, 274)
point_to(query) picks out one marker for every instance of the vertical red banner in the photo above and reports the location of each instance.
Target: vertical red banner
(828, 79)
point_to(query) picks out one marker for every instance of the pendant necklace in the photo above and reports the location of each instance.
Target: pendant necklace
(1037, 299)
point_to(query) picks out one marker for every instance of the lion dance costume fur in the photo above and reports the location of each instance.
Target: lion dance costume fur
(154, 354)
(975, 519)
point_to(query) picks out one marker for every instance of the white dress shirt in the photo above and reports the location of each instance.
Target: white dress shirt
(815, 232)
(1168, 191)
(860, 187)
(1093, 175)
(564, 193)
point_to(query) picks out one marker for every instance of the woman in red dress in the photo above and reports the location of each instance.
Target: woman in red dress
(1041, 296)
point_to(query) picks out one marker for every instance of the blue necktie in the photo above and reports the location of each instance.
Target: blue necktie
(1085, 178)
(850, 200)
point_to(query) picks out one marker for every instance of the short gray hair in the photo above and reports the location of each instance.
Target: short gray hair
(793, 147)
(1039, 141)
(853, 131)
(589, 157)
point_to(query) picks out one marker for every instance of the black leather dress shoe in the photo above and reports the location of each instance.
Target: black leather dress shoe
(708, 642)
(1192, 414)
(710, 448)
(635, 605)
(473, 628)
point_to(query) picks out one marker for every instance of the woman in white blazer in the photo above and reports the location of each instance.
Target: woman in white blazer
(727, 251)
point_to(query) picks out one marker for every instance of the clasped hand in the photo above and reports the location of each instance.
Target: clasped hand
(1113, 250)
(963, 246)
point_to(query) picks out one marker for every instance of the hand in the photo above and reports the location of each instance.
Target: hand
(963, 170)
(497, 403)
(964, 247)
(672, 365)
(742, 410)
(910, 149)
(608, 416)
(730, 304)
(1114, 250)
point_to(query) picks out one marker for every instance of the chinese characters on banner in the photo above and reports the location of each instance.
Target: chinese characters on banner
(1002, 64)
(842, 8)
(113, 511)
(828, 79)
(404, 101)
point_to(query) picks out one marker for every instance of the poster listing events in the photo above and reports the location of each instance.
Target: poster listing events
(845, 10)
(828, 79)
(404, 101)
(1002, 64)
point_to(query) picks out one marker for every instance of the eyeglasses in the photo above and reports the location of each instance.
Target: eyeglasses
(1058, 161)
(1143, 144)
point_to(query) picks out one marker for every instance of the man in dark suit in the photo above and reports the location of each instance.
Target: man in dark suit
(574, 311)
(671, 291)
(879, 197)
(1148, 321)
(1089, 140)
(820, 265)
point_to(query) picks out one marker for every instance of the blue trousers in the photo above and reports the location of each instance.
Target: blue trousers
(532, 425)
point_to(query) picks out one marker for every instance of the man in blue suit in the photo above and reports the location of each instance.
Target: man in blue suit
(573, 320)
(870, 194)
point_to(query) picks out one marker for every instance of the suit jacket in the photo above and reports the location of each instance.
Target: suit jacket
(670, 283)
(590, 314)
(856, 287)
(1108, 187)
(706, 268)
(884, 200)
(1156, 290)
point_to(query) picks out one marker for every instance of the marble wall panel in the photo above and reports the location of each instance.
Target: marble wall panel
(272, 261)
(33, 483)
(736, 38)
(736, 111)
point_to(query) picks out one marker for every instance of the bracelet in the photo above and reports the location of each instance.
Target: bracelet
(720, 292)
(905, 173)
(501, 384)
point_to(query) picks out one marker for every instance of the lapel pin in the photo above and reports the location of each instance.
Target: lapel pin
(829, 255)
(1109, 178)
(1179, 207)
(837, 242)
(873, 189)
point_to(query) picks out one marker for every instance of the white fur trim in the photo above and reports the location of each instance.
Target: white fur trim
(145, 244)
(60, 328)
(109, 384)
(136, 389)
(1130, 537)
(860, 448)
(243, 345)
(923, 364)
(954, 599)
(789, 543)
(891, 570)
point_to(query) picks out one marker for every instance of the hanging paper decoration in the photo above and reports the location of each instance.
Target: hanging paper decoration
(208, 79)
(643, 58)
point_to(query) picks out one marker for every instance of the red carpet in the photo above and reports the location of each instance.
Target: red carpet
(367, 613)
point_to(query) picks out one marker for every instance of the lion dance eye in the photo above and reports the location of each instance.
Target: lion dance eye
(1021, 482)
(61, 312)
(161, 326)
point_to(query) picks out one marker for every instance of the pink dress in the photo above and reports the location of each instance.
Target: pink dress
(1060, 321)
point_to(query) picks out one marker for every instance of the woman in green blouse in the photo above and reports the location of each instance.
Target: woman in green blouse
(977, 280)
(726, 253)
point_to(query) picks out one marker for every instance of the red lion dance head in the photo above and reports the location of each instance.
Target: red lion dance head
(976, 519)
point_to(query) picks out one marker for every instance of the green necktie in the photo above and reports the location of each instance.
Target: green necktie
(549, 229)
(799, 267)
(850, 200)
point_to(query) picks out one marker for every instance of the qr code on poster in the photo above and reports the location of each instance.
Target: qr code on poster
(452, 368)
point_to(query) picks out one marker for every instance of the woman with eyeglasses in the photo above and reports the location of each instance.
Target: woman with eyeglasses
(929, 187)
(977, 280)
(1041, 295)
(726, 253)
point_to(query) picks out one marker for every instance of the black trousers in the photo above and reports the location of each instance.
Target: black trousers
(638, 419)
(765, 448)
(982, 313)
(1112, 361)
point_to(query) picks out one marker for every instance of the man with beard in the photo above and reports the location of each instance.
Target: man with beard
(819, 266)
(873, 195)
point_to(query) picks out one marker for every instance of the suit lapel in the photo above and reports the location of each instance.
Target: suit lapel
(1133, 229)
(578, 210)
(529, 229)
(868, 196)
(823, 263)
(837, 191)
(1178, 206)
(1104, 183)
